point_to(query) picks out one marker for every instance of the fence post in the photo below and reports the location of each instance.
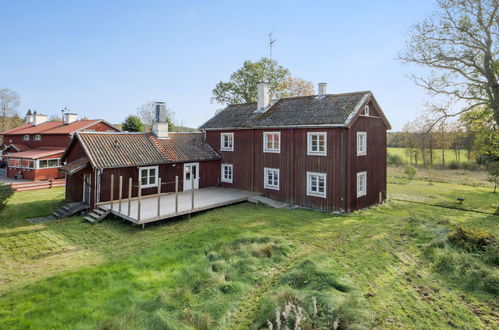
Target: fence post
(139, 200)
(159, 196)
(129, 195)
(50, 183)
(176, 194)
(121, 192)
(192, 192)
(112, 190)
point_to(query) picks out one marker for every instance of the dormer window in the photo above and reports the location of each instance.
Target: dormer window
(227, 141)
(26, 137)
(366, 110)
(38, 137)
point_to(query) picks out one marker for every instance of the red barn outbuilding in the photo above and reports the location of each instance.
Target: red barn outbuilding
(33, 151)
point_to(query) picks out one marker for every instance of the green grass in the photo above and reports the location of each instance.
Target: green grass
(231, 267)
(449, 154)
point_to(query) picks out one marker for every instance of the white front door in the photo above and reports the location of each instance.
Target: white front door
(191, 176)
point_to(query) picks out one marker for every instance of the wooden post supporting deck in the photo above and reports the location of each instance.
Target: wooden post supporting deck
(192, 192)
(129, 195)
(139, 200)
(112, 190)
(121, 192)
(176, 194)
(159, 196)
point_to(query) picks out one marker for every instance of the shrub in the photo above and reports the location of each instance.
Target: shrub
(410, 172)
(453, 165)
(6, 192)
(395, 160)
(471, 240)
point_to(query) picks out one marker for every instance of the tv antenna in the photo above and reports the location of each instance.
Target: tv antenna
(271, 42)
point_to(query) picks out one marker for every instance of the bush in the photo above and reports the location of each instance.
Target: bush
(471, 240)
(395, 160)
(6, 192)
(453, 165)
(410, 172)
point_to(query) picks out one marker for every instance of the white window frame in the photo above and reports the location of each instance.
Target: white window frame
(266, 172)
(26, 137)
(266, 140)
(366, 110)
(41, 160)
(222, 138)
(311, 152)
(361, 192)
(362, 149)
(148, 168)
(38, 137)
(222, 174)
(310, 176)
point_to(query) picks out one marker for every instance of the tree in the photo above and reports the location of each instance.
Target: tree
(459, 44)
(297, 87)
(133, 124)
(481, 134)
(9, 101)
(147, 111)
(494, 175)
(242, 86)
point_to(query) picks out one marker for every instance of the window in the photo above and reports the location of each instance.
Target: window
(38, 137)
(317, 144)
(366, 110)
(25, 137)
(227, 141)
(227, 173)
(361, 143)
(45, 163)
(148, 176)
(272, 142)
(271, 178)
(316, 184)
(361, 184)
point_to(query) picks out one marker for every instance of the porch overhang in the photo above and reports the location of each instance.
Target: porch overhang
(75, 166)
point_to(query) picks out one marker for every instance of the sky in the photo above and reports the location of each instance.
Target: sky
(103, 59)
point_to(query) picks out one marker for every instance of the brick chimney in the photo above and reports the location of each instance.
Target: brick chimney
(263, 99)
(160, 125)
(322, 89)
(70, 118)
(39, 119)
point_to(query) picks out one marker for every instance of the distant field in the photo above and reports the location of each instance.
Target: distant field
(450, 155)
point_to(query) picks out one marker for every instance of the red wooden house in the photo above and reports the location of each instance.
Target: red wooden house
(33, 150)
(325, 151)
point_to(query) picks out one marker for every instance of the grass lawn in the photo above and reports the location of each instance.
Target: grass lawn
(384, 267)
(450, 155)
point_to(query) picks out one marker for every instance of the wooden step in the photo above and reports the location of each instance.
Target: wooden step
(92, 220)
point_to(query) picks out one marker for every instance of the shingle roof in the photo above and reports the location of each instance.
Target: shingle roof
(52, 127)
(124, 149)
(120, 149)
(331, 109)
(185, 147)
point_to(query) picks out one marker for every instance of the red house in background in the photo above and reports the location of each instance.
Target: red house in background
(32, 151)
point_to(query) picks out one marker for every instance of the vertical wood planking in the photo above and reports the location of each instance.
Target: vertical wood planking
(112, 191)
(120, 192)
(129, 195)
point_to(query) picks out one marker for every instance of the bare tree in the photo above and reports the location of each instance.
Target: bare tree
(146, 112)
(459, 44)
(9, 101)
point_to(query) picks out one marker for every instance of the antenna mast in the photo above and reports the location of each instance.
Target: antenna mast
(271, 41)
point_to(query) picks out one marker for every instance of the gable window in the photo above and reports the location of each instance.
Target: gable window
(361, 143)
(272, 142)
(25, 137)
(227, 141)
(316, 184)
(227, 173)
(316, 143)
(46, 163)
(366, 110)
(38, 137)
(361, 184)
(271, 178)
(148, 176)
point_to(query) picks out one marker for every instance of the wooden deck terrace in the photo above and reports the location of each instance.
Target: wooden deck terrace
(152, 208)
